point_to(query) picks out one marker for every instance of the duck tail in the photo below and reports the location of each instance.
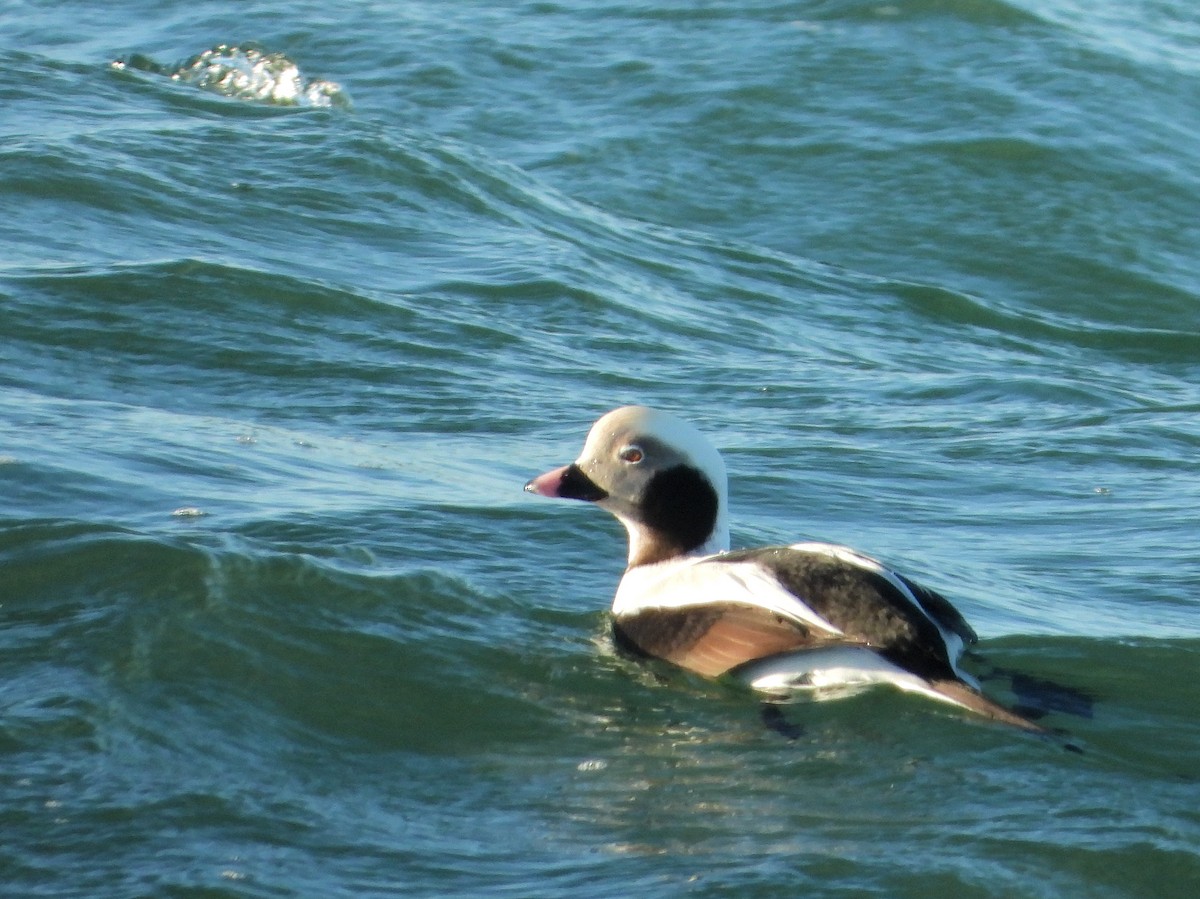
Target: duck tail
(969, 698)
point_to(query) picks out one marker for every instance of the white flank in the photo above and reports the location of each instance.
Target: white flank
(832, 672)
(688, 582)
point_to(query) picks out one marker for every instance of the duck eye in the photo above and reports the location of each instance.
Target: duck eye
(631, 454)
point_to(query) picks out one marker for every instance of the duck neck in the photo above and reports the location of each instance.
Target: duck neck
(649, 546)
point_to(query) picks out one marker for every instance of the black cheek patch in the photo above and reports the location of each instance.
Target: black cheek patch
(681, 505)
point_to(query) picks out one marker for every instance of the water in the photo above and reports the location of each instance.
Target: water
(275, 616)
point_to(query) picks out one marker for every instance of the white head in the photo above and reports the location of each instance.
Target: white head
(658, 475)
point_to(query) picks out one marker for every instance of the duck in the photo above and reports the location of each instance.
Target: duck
(809, 617)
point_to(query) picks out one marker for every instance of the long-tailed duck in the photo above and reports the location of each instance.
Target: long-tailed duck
(810, 616)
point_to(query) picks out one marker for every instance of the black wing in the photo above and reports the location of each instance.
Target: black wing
(899, 619)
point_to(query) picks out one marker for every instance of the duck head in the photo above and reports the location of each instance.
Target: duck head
(658, 475)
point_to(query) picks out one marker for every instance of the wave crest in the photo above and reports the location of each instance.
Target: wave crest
(246, 72)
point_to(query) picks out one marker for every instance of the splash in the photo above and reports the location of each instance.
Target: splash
(246, 72)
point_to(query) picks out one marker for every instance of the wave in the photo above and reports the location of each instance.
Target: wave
(320, 640)
(256, 693)
(980, 12)
(1044, 327)
(245, 72)
(447, 205)
(314, 640)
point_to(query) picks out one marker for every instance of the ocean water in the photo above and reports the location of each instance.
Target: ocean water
(276, 618)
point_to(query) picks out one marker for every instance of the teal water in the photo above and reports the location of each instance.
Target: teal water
(276, 618)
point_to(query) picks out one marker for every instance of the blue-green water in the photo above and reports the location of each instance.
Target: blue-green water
(275, 616)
